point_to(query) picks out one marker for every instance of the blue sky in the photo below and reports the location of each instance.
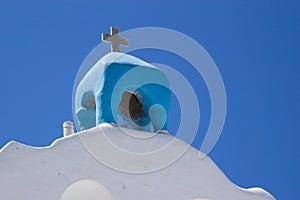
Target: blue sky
(255, 45)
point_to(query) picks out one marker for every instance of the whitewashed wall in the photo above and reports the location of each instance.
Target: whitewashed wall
(70, 169)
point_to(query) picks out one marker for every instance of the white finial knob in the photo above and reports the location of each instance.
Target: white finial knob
(68, 128)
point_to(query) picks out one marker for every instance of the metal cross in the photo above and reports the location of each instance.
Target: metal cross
(114, 39)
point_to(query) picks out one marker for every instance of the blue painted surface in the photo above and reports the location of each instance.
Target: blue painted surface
(111, 76)
(86, 116)
(254, 43)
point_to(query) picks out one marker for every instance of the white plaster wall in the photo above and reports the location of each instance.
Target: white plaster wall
(46, 173)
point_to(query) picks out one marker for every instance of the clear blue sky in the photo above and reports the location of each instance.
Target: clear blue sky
(255, 44)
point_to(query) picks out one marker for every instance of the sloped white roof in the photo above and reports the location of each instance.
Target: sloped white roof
(82, 160)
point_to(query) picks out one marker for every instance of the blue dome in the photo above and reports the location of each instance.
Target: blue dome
(109, 78)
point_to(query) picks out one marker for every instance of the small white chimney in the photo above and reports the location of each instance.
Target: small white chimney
(68, 128)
